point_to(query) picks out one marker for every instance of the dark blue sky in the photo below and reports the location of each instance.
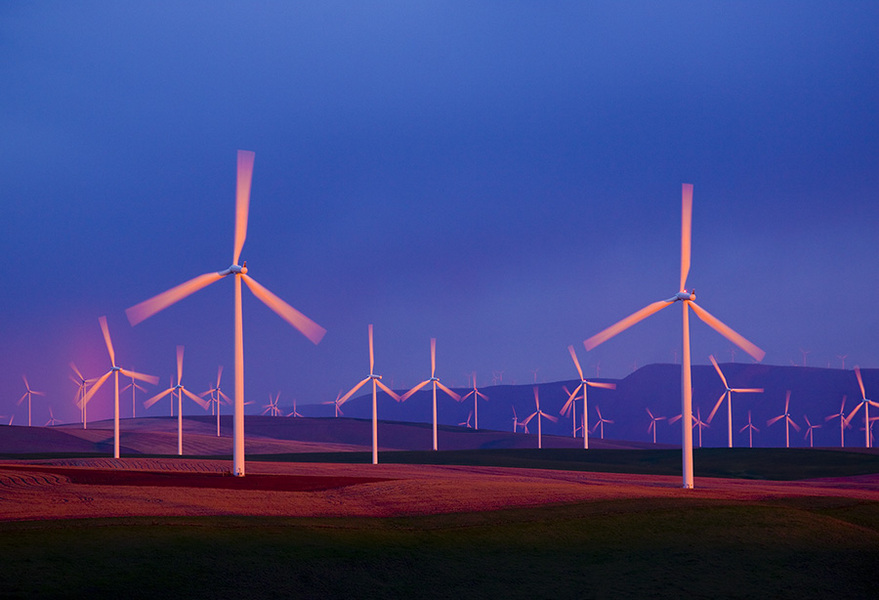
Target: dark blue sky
(505, 177)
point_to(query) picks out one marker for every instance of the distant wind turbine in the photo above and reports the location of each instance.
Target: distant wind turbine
(272, 406)
(865, 402)
(217, 397)
(476, 396)
(805, 352)
(337, 405)
(180, 390)
(115, 371)
(687, 299)
(787, 420)
(467, 422)
(295, 413)
(82, 388)
(538, 413)
(601, 421)
(436, 383)
(52, 420)
(809, 428)
(842, 357)
(584, 385)
(696, 421)
(751, 429)
(376, 382)
(728, 395)
(842, 424)
(653, 421)
(133, 386)
(28, 395)
(570, 408)
(306, 326)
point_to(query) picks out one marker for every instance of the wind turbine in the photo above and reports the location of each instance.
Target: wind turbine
(476, 396)
(134, 387)
(28, 395)
(653, 421)
(295, 412)
(336, 404)
(436, 383)
(115, 371)
(696, 421)
(515, 419)
(570, 408)
(728, 395)
(751, 429)
(467, 422)
(82, 387)
(809, 429)
(52, 420)
(272, 406)
(376, 381)
(842, 424)
(687, 300)
(306, 326)
(865, 402)
(180, 391)
(585, 385)
(538, 413)
(601, 421)
(217, 396)
(787, 421)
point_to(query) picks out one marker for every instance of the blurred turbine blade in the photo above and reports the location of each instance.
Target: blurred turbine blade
(344, 398)
(150, 379)
(860, 382)
(727, 332)
(148, 308)
(601, 384)
(747, 390)
(719, 372)
(179, 364)
(157, 397)
(242, 200)
(454, 395)
(716, 406)
(75, 370)
(371, 353)
(611, 331)
(432, 357)
(787, 402)
(196, 399)
(686, 228)
(389, 391)
(409, 394)
(106, 331)
(306, 326)
(576, 362)
(94, 389)
(774, 420)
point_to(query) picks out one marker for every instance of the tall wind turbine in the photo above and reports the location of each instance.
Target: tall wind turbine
(653, 421)
(788, 421)
(865, 402)
(585, 385)
(115, 371)
(180, 390)
(306, 326)
(751, 429)
(809, 429)
(436, 383)
(376, 382)
(134, 386)
(728, 395)
(687, 300)
(842, 424)
(28, 395)
(538, 413)
(476, 396)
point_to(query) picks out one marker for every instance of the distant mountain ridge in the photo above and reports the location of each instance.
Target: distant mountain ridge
(815, 392)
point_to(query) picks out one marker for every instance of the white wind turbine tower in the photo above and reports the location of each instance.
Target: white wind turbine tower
(376, 382)
(476, 396)
(585, 385)
(515, 419)
(115, 371)
(436, 383)
(180, 390)
(82, 387)
(787, 421)
(217, 397)
(306, 326)
(28, 395)
(601, 421)
(809, 429)
(336, 404)
(842, 424)
(865, 402)
(538, 413)
(687, 300)
(653, 421)
(134, 386)
(751, 429)
(272, 406)
(728, 395)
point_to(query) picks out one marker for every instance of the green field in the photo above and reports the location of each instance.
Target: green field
(623, 549)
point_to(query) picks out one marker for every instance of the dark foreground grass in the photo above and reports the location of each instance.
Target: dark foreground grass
(696, 548)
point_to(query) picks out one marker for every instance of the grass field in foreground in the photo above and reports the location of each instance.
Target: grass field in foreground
(804, 548)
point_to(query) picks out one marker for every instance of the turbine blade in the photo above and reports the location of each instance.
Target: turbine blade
(716, 406)
(242, 200)
(454, 395)
(371, 353)
(344, 398)
(555, 419)
(601, 384)
(157, 397)
(860, 382)
(686, 228)
(196, 399)
(409, 394)
(787, 402)
(150, 379)
(433, 357)
(148, 308)
(484, 397)
(94, 389)
(225, 397)
(792, 424)
(306, 326)
(179, 364)
(219, 374)
(576, 362)
(106, 331)
(75, 370)
(611, 331)
(727, 332)
(774, 420)
(719, 372)
(388, 390)
(747, 390)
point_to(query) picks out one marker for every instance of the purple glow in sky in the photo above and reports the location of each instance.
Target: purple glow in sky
(505, 177)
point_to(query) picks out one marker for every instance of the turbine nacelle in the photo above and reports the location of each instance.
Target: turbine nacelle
(685, 295)
(235, 269)
(373, 376)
